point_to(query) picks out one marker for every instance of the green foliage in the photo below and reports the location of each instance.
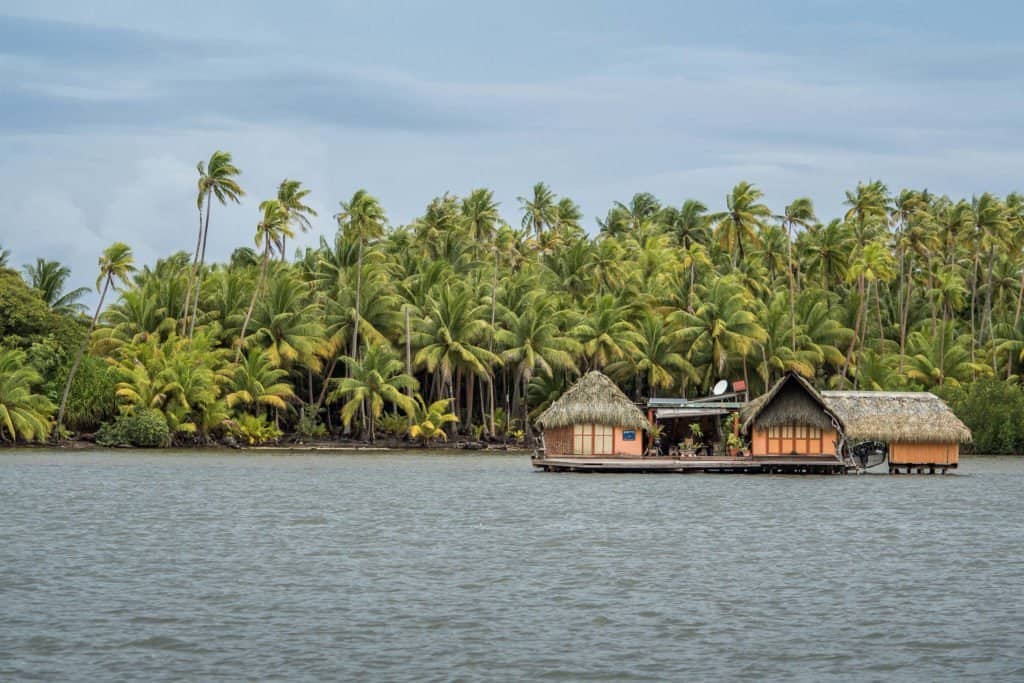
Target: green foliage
(904, 290)
(91, 400)
(428, 425)
(24, 413)
(24, 316)
(994, 411)
(142, 428)
(254, 429)
(394, 424)
(309, 427)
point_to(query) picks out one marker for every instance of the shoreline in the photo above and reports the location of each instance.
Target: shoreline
(310, 447)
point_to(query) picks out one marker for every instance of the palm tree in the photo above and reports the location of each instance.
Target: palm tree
(377, 378)
(450, 340)
(654, 359)
(23, 414)
(605, 333)
(115, 264)
(257, 383)
(534, 342)
(363, 218)
(539, 210)
(723, 327)
(429, 422)
(290, 194)
(481, 214)
(272, 229)
(216, 179)
(873, 264)
(743, 218)
(799, 213)
(48, 278)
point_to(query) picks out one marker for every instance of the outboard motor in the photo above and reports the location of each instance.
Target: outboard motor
(870, 453)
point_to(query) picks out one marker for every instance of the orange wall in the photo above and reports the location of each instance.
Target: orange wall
(635, 447)
(760, 444)
(924, 453)
(559, 442)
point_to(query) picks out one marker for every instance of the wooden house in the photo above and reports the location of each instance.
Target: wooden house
(921, 431)
(794, 420)
(593, 418)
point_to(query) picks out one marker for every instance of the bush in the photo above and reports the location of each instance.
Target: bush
(393, 424)
(143, 428)
(994, 411)
(253, 430)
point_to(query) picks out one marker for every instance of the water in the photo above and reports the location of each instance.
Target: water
(156, 567)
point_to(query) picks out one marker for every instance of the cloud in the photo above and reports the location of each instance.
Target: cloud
(102, 124)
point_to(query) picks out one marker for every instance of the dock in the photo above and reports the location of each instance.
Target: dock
(683, 464)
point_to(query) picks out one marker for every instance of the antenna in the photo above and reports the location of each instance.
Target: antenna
(719, 388)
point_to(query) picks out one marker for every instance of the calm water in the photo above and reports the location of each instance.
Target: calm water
(139, 566)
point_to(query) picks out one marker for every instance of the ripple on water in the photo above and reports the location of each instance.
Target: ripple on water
(455, 567)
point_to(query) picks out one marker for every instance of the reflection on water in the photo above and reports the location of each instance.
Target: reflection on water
(200, 566)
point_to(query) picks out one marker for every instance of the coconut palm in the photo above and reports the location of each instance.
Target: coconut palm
(451, 343)
(800, 213)
(257, 383)
(723, 328)
(428, 425)
(654, 359)
(217, 179)
(116, 263)
(534, 342)
(272, 229)
(291, 195)
(605, 333)
(48, 278)
(363, 219)
(24, 414)
(539, 210)
(481, 215)
(375, 379)
(740, 222)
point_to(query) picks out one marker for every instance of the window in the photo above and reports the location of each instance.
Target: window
(593, 440)
(793, 432)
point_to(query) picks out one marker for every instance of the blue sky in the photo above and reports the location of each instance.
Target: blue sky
(107, 107)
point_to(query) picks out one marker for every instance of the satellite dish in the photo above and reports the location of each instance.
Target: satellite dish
(720, 387)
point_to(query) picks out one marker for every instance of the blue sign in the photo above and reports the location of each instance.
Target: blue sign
(629, 436)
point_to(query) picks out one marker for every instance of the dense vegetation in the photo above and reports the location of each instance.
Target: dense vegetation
(387, 329)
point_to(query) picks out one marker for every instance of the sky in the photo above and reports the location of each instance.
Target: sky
(107, 106)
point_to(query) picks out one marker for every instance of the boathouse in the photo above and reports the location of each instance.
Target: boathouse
(792, 419)
(921, 431)
(593, 417)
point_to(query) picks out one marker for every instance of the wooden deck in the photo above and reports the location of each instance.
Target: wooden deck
(661, 464)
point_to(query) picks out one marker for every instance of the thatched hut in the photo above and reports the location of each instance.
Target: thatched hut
(919, 427)
(792, 419)
(593, 417)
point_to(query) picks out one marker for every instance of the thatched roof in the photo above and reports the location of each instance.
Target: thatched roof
(895, 416)
(593, 399)
(891, 416)
(792, 400)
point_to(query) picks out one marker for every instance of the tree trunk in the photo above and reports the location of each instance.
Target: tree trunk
(903, 322)
(408, 355)
(192, 273)
(856, 325)
(792, 286)
(252, 303)
(78, 361)
(199, 271)
(359, 291)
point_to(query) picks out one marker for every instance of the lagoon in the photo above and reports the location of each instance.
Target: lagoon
(130, 565)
